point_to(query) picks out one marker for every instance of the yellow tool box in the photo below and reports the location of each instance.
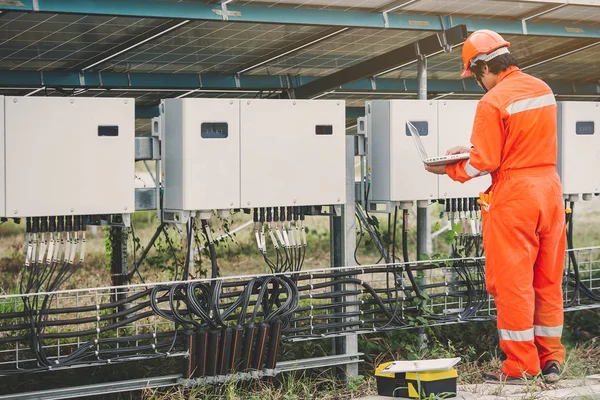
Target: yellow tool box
(404, 378)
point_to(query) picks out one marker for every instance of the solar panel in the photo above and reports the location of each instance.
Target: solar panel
(202, 47)
(37, 41)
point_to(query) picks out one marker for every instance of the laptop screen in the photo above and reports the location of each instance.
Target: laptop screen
(417, 139)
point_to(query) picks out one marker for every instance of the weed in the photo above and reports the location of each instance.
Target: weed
(285, 387)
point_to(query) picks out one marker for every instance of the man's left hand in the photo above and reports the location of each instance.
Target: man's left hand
(436, 169)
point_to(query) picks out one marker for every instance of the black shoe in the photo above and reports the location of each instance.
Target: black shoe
(551, 372)
(501, 377)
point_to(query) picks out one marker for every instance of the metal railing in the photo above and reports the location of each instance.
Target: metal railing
(114, 324)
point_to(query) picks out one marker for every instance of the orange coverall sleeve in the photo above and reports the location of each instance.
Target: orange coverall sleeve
(487, 138)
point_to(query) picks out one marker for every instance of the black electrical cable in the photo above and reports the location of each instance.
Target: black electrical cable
(135, 262)
(408, 269)
(173, 252)
(188, 249)
(579, 285)
(266, 287)
(572, 258)
(213, 252)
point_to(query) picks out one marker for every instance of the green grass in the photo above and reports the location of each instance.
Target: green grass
(288, 386)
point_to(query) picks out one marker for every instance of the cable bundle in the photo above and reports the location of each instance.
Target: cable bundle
(236, 325)
(286, 233)
(52, 246)
(221, 341)
(573, 278)
(92, 349)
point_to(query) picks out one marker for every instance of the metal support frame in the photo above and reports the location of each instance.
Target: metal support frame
(210, 83)
(423, 217)
(383, 62)
(86, 391)
(424, 240)
(118, 261)
(538, 12)
(343, 243)
(393, 6)
(97, 389)
(147, 112)
(302, 16)
(588, 260)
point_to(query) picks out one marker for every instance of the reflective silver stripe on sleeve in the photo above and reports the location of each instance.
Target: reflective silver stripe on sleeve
(516, 336)
(548, 331)
(531, 104)
(472, 171)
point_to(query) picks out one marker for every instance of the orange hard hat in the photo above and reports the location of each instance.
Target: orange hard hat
(479, 46)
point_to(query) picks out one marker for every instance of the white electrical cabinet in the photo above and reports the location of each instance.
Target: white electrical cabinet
(455, 121)
(67, 156)
(579, 147)
(201, 154)
(223, 153)
(397, 172)
(292, 152)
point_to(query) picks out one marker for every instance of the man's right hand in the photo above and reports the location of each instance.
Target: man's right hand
(458, 150)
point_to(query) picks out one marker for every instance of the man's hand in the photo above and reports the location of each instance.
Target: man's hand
(436, 169)
(458, 150)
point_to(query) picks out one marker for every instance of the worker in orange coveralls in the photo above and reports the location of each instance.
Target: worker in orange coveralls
(514, 139)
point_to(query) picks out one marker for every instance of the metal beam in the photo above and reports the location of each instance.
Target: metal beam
(235, 12)
(395, 5)
(538, 12)
(170, 83)
(534, 28)
(147, 112)
(570, 2)
(97, 389)
(355, 112)
(343, 244)
(29, 80)
(287, 50)
(383, 62)
(288, 15)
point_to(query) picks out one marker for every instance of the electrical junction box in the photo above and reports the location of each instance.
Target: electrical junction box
(455, 122)
(293, 152)
(579, 148)
(397, 172)
(66, 156)
(201, 154)
(223, 154)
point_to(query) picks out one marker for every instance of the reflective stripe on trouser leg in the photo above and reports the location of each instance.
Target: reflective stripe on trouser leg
(511, 250)
(548, 342)
(548, 275)
(516, 336)
(547, 331)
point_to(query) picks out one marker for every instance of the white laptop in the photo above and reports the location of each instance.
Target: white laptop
(441, 160)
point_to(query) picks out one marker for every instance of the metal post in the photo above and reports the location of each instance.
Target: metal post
(343, 243)
(422, 78)
(424, 245)
(118, 241)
